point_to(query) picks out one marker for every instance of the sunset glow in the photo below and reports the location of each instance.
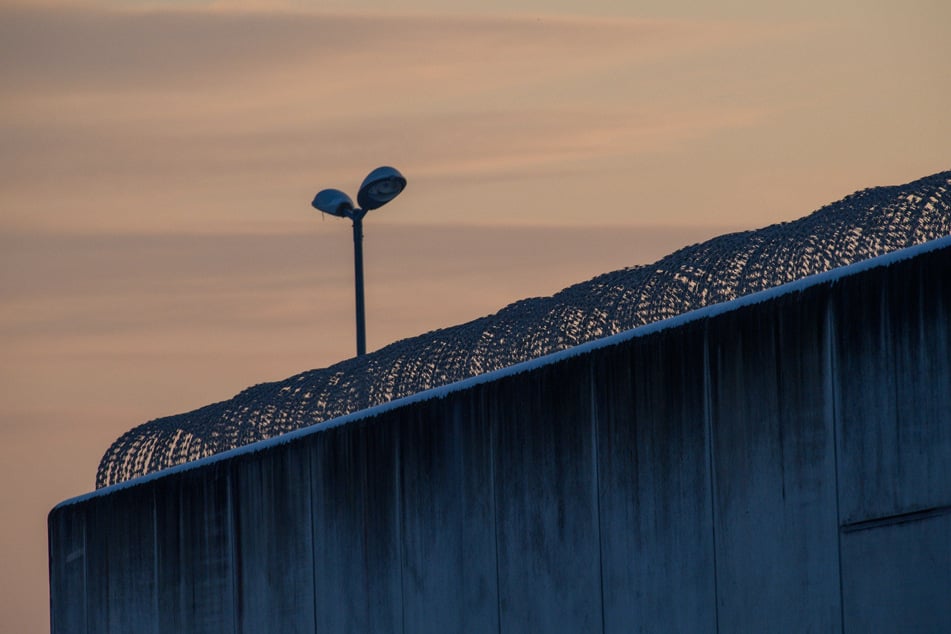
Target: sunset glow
(158, 250)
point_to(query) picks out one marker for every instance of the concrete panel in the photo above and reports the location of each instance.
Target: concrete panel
(383, 528)
(896, 578)
(656, 520)
(67, 541)
(774, 468)
(124, 528)
(356, 528)
(339, 515)
(195, 566)
(546, 499)
(893, 347)
(273, 542)
(448, 525)
(96, 584)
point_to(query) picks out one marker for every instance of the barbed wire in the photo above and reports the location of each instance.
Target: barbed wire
(863, 225)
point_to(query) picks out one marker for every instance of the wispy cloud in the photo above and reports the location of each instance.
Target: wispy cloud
(88, 50)
(198, 116)
(66, 293)
(119, 104)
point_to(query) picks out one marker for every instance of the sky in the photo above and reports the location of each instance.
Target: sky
(158, 251)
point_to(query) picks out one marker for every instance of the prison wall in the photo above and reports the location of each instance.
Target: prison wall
(778, 464)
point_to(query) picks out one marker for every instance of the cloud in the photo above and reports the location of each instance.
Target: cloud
(470, 144)
(100, 49)
(181, 108)
(68, 294)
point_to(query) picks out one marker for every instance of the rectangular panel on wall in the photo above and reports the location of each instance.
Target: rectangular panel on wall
(656, 522)
(339, 513)
(273, 541)
(774, 468)
(356, 527)
(896, 577)
(68, 553)
(893, 357)
(546, 500)
(383, 531)
(195, 551)
(448, 520)
(122, 527)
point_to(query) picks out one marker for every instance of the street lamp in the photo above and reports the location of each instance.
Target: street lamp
(379, 187)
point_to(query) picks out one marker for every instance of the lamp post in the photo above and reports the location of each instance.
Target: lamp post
(379, 187)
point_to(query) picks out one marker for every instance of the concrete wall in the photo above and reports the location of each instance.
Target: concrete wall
(782, 466)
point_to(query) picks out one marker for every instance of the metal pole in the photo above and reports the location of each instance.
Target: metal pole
(358, 280)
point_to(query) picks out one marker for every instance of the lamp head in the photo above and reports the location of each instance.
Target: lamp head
(333, 202)
(380, 187)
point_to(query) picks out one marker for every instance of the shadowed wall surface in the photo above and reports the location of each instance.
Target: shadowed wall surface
(864, 225)
(778, 464)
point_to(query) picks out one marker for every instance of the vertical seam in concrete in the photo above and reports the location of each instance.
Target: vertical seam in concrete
(232, 543)
(461, 492)
(493, 451)
(399, 525)
(155, 563)
(893, 349)
(85, 516)
(179, 573)
(365, 512)
(832, 384)
(313, 535)
(777, 337)
(708, 420)
(596, 455)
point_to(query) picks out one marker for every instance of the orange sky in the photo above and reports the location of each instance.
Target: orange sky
(157, 247)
